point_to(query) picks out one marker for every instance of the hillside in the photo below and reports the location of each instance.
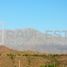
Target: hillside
(11, 58)
(30, 39)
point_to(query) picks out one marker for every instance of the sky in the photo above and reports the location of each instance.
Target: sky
(37, 14)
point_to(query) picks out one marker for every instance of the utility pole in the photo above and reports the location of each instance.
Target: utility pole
(19, 63)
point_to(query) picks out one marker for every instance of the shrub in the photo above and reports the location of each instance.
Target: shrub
(48, 65)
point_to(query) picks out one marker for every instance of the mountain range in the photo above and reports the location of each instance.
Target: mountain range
(30, 39)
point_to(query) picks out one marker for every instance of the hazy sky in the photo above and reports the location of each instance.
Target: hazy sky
(38, 14)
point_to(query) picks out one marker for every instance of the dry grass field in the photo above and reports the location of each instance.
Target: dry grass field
(12, 58)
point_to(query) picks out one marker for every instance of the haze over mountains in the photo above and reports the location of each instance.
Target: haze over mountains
(30, 39)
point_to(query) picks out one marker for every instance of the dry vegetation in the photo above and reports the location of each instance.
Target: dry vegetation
(10, 58)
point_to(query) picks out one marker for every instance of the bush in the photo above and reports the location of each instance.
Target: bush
(48, 65)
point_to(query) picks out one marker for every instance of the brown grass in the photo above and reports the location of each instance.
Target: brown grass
(10, 58)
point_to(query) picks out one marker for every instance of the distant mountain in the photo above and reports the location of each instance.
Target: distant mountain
(30, 39)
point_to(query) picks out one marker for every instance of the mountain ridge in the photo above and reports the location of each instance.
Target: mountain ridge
(31, 39)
